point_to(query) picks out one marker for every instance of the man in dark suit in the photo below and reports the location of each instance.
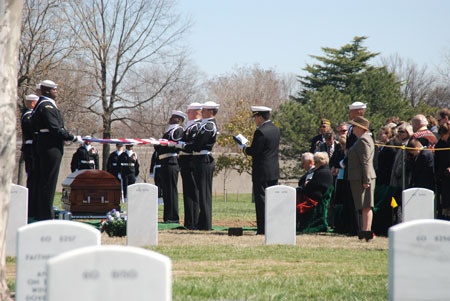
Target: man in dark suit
(325, 126)
(265, 166)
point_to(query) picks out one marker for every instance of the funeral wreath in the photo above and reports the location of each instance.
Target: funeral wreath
(115, 224)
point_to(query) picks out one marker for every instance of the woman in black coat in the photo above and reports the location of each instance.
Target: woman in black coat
(312, 193)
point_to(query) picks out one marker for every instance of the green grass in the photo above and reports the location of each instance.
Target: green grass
(277, 273)
(271, 272)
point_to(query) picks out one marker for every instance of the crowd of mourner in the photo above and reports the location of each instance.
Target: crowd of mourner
(398, 156)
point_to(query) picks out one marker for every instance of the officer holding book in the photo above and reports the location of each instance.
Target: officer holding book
(264, 153)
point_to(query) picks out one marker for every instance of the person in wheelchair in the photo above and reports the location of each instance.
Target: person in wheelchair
(312, 190)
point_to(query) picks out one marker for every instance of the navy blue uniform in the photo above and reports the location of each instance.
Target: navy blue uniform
(265, 166)
(204, 165)
(190, 188)
(129, 169)
(167, 157)
(51, 134)
(27, 155)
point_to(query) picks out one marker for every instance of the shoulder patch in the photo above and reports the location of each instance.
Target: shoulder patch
(48, 107)
(210, 126)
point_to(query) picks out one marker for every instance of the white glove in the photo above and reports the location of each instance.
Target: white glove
(119, 176)
(136, 179)
(242, 146)
(77, 139)
(152, 175)
(180, 144)
(172, 143)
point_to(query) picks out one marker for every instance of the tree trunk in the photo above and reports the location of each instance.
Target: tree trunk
(10, 18)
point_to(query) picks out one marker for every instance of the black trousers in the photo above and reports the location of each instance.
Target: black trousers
(127, 179)
(351, 216)
(169, 174)
(190, 191)
(31, 169)
(48, 162)
(203, 173)
(259, 196)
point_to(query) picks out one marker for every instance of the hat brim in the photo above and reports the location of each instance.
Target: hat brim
(358, 125)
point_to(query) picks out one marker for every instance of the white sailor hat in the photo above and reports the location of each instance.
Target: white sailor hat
(32, 97)
(195, 106)
(48, 83)
(357, 105)
(259, 109)
(179, 114)
(210, 105)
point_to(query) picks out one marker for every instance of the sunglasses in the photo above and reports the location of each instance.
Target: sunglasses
(401, 132)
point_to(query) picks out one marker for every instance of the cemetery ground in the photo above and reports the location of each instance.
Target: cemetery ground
(210, 265)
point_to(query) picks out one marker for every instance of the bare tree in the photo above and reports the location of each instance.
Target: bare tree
(44, 42)
(417, 83)
(10, 13)
(254, 86)
(116, 37)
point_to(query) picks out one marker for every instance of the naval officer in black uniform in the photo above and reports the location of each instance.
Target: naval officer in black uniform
(129, 169)
(48, 124)
(204, 165)
(265, 166)
(185, 160)
(27, 151)
(168, 158)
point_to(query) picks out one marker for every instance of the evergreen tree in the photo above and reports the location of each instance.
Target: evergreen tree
(344, 76)
(340, 68)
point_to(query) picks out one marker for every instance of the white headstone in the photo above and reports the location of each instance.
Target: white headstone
(142, 215)
(280, 215)
(109, 273)
(419, 260)
(417, 203)
(17, 216)
(38, 242)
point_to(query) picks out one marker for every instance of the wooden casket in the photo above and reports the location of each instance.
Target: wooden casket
(90, 191)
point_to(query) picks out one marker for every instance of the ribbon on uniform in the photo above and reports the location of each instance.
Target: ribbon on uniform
(135, 141)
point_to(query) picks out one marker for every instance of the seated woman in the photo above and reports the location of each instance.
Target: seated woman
(311, 194)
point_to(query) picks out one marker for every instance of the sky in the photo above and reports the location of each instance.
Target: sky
(282, 34)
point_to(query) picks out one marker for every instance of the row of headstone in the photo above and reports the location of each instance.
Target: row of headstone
(39, 242)
(54, 257)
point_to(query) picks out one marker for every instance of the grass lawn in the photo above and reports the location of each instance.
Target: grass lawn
(210, 265)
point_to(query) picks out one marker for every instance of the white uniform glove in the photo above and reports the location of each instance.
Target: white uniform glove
(77, 139)
(172, 143)
(119, 176)
(180, 144)
(152, 175)
(242, 146)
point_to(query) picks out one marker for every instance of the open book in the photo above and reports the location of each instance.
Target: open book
(240, 139)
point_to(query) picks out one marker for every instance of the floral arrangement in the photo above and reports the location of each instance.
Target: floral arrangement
(114, 224)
